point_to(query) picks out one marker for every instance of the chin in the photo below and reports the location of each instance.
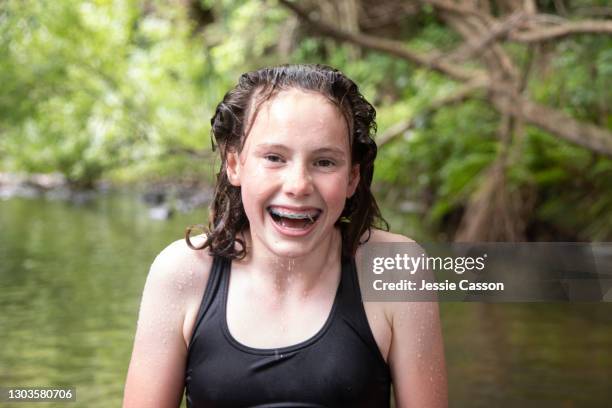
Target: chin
(290, 249)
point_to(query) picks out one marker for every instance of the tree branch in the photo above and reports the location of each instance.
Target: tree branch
(391, 47)
(549, 119)
(498, 31)
(497, 61)
(562, 30)
(558, 123)
(460, 10)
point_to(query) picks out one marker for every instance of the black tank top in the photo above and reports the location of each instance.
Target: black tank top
(340, 366)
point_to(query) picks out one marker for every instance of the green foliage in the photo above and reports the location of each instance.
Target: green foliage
(445, 157)
(577, 77)
(574, 186)
(125, 89)
(97, 85)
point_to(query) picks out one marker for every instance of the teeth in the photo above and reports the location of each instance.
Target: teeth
(295, 216)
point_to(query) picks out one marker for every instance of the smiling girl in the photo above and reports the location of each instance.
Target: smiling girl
(265, 309)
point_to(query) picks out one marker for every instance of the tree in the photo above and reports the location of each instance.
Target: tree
(500, 44)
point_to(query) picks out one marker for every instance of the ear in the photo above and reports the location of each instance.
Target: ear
(233, 168)
(353, 181)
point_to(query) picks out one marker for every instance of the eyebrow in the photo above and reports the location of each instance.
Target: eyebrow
(270, 146)
(330, 150)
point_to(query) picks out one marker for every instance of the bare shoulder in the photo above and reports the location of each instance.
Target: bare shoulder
(397, 313)
(414, 330)
(173, 289)
(178, 262)
(377, 235)
(178, 276)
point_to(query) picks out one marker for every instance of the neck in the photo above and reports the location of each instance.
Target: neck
(292, 274)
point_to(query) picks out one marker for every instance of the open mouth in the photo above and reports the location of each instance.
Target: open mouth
(292, 219)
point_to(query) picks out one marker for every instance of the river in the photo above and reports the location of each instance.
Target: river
(71, 277)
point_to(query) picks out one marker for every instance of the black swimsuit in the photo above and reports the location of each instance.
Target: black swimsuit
(340, 366)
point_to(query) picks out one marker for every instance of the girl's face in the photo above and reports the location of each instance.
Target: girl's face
(295, 172)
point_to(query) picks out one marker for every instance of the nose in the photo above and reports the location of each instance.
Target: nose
(298, 180)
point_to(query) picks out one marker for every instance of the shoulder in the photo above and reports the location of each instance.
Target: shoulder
(377, 235)
(176, 279)
(179, 270)
(393, 310)
(176, 282)
(177, 258)
(381, 328)
(414, 331)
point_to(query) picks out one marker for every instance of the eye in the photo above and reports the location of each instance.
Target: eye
(273, 158)
(325, 163)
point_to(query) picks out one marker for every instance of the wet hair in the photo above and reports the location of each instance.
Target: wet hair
(232, 122)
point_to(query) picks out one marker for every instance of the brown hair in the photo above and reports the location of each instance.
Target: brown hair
(229, 130)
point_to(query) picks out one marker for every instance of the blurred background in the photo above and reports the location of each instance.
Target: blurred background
(495, 124)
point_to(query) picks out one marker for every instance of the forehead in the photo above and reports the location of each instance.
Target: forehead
(296, 116)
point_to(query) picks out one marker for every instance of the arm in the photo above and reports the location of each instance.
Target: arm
(157, 369)
(416, 353)
(416, 356)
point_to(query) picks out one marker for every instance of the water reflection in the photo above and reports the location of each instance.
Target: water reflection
(528, 354)
(71, 279)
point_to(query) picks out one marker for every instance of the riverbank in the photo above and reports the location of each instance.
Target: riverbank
(163, 198)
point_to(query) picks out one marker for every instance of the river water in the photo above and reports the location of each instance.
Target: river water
(71, 277)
